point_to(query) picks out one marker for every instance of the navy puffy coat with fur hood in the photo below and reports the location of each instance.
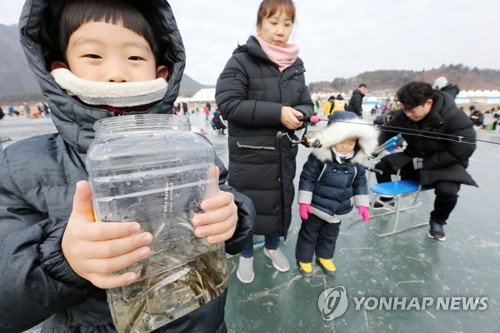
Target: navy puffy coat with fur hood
(333, 187)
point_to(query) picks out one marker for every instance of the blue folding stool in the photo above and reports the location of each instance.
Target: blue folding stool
(395, 191)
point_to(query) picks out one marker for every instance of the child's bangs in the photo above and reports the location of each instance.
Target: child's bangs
(124, 13)
(129, 17)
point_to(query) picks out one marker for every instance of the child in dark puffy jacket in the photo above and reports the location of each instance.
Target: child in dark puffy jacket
(332, 182)
(93, 59)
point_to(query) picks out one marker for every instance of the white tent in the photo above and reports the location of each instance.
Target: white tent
(369, 103)
(204, 95)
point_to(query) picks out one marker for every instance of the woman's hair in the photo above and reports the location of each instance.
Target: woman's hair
(78, 12)
(268, 8)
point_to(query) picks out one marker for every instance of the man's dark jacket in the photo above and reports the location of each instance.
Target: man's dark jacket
(355, 103)
(250, 93)
(446, 143)
(37, 184)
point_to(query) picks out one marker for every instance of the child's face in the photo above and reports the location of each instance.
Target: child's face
(345, 147)
(276, 29)
(107, 52)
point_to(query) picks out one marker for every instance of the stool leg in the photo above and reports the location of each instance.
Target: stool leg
(416, 196)
(397, 208)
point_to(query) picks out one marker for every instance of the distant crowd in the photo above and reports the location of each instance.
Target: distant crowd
(35, 111)
(487, 120)
(382, 113)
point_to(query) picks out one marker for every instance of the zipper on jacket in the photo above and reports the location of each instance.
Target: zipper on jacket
(322, 171)
(254, 147)
(355, 174)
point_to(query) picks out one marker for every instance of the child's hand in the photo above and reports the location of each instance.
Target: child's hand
(304, 209)
(218, 222)
(95, 250)
(365, 214)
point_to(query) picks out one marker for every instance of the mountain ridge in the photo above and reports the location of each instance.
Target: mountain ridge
(18, 83)
(388, 81)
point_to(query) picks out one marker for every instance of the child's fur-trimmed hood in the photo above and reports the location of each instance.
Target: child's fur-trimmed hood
(343, 125)
(74, 119)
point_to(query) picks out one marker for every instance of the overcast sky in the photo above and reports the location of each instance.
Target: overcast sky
(341, 38)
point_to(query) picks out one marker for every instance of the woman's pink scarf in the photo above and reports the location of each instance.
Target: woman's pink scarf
(284, 57)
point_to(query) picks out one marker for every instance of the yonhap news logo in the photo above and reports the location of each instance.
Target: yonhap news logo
(333, 303)
(449, 303)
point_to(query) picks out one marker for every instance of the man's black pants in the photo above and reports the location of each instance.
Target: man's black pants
(446, 192)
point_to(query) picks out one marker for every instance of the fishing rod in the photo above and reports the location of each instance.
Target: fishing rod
(406, 131)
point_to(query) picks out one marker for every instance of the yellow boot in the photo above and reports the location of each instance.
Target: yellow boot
(305, 268)
(327, 266)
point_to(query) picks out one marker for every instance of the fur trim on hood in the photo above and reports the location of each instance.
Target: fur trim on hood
(115, 94)
(343, 125)
(74, 119)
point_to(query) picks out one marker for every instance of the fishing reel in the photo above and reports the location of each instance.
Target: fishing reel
(309, 140)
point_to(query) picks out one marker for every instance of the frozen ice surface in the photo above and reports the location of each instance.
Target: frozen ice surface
(408, 264)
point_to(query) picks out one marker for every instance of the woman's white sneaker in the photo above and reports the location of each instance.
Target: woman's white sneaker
(280, 262)
(245, 270)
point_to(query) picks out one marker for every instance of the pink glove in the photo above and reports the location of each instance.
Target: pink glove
(304, 209)
(365, 214)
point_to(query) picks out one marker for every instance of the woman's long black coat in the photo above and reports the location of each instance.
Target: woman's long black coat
(250, 93)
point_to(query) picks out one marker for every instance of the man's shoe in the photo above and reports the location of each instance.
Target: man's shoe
(436, 231)
(327, 266)
(245, 270)
(280, 262)
(305, 268)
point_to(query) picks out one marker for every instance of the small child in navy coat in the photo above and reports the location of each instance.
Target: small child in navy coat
(332, 182)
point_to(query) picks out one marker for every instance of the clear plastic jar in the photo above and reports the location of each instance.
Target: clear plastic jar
(152, 169)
